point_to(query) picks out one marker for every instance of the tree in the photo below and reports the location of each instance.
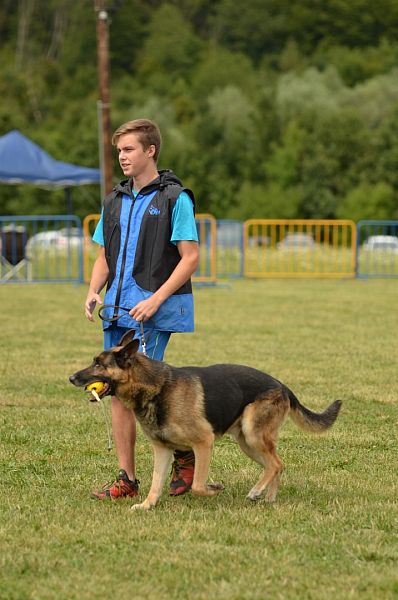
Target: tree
(367, 201)
(169, 52)
(267, 201)
(277, 107)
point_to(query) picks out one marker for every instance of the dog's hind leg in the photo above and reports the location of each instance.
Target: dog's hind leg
(271, 476)
(161, 466)
(260, 425)
(202, 453)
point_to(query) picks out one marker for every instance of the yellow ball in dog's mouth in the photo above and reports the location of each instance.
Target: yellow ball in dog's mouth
(96, 386)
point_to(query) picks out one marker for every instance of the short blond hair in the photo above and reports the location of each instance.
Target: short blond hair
(147, 132)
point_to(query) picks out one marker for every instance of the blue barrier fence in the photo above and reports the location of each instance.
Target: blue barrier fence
(41, 249)
(229, 243)
(377, 249)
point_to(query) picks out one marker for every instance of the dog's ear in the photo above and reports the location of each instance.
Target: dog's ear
(128, 337)
(124, 355)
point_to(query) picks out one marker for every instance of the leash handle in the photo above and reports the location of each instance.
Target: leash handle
(115, 317)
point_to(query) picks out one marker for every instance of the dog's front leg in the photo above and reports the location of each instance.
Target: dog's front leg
(200, 487)
(161, 466)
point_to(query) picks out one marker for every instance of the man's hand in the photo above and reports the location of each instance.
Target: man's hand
(90, 304)
(145, 309)
(99, 277)
(189, 253)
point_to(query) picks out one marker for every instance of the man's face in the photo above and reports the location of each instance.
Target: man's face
(133, 159)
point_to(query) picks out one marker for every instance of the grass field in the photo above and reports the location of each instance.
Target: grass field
(332, 533)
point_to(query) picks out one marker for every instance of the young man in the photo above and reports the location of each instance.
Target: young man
(149, 251)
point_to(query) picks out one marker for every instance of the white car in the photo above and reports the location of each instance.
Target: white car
(296, 241)
(44, 239)
(382, 243)
(57, 238)
(70, 236)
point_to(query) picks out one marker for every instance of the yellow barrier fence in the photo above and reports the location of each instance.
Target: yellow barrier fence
(207, 231)
(90, 250)
(299, 248)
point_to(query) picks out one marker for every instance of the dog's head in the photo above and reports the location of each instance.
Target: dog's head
(111, 367)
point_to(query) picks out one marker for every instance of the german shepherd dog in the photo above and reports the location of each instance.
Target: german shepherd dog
(191, 407)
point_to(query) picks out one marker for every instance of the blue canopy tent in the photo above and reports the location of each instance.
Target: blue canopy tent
(23, 161)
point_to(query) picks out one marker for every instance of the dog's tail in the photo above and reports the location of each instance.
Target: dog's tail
(311, 421)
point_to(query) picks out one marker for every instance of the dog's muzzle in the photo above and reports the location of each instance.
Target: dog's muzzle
(106, 391)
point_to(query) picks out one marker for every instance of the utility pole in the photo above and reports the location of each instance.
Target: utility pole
(104, 121)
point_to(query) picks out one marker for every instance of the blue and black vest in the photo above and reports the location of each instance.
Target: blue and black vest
(139, 253)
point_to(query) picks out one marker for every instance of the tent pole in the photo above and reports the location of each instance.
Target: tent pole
(69, 201)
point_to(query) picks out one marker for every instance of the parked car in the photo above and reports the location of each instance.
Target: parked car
(44, 239)
(70, 236)
(259, 241)
(381, 243)
(56, 238)
(296, 241)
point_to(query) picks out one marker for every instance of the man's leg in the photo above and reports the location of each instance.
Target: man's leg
(183, 472)
(123, 419)
(124, 434)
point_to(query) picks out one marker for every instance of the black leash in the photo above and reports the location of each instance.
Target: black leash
(115, 317)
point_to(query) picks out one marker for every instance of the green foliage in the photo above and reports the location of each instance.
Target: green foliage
(277, 107)
(219, 68)
(267, 201)
(386, 146)
(368, 201)
(169, 52)
(311, 92)
(284, 164)
(358, 64)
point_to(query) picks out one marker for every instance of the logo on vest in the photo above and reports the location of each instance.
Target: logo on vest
(153, 210)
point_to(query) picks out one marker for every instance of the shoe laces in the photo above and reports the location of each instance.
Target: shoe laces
(176, 468)
(179, 464)
(117, 484)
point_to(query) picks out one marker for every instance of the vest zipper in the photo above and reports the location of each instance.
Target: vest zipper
(123, 265)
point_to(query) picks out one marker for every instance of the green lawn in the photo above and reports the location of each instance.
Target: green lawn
(332, 533)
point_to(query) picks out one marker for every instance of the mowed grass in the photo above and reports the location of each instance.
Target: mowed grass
(332, 532)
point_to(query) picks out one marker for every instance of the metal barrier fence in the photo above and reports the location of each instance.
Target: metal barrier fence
(229, 248)
(299, 248)
(377, 249)
(55, 248)
(90, 248)
(206, 226)
(207, 229)
(41, 249)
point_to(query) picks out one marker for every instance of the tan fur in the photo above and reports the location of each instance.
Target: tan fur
(169, 403)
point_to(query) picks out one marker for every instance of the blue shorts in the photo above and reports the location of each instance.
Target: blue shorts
(156, 341)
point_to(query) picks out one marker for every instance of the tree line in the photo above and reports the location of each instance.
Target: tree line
(271, 109)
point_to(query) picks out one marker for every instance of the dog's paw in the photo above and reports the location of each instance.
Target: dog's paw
(254, 496)
(210, 489)
(142, 506)
(216, 487)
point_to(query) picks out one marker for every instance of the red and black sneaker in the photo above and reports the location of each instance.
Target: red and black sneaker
(182, 475)
(123, 487)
